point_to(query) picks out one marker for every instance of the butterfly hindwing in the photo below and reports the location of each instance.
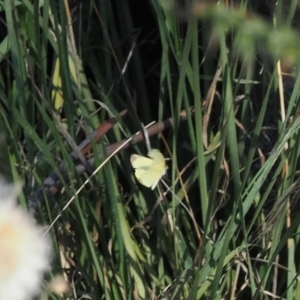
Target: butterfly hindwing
(149, 178)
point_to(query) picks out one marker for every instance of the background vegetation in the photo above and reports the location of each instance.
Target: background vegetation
(225, 75)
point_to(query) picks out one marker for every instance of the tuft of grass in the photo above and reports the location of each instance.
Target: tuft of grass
(69, 67)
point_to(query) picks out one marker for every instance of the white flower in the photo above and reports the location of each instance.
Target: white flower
(24, 252)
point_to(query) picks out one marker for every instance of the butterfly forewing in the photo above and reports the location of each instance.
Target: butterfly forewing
(138, 161)
(159, 162)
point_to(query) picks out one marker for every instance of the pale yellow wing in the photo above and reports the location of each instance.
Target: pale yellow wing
(141, 165)
(158, 168)
(138, 161)
(148, 178)
(159, 161)
(149, 171)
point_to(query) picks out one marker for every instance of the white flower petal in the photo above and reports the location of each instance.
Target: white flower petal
(24, 251)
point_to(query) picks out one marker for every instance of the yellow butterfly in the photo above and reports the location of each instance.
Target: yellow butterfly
(149, 170)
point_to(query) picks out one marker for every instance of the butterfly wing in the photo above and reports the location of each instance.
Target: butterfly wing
(147, 178)
(158, 169)
(141, 164)
(138, 161)
(159, 161)
(149, 171)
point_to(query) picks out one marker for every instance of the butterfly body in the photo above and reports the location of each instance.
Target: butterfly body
(149, 170)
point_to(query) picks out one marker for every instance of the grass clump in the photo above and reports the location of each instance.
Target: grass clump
(222, 85)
